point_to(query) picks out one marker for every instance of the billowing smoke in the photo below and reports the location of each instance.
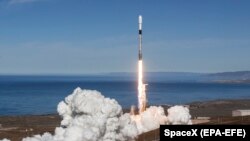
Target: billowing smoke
(179, 115)
(154, 116)
(89, 116)
(5, 139)
(150, 119)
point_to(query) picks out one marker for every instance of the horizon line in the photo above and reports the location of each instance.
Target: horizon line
(106, 73)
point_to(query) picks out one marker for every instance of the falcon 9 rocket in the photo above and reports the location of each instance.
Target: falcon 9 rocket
(142, 99)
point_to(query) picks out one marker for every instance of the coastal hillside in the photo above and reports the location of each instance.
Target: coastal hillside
(222, 77)
(231, 77)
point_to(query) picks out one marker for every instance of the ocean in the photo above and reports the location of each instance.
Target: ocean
(36, 95)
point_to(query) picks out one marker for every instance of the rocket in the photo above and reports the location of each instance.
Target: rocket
(140, 37)
(142, 98)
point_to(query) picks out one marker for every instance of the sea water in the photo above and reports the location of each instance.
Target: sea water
(22, 95)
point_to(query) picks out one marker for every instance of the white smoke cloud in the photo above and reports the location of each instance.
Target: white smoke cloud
(88, 116)
(179, 115)
(150, 119)
(5, 139)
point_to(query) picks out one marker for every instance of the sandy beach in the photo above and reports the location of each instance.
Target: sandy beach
(219, 112)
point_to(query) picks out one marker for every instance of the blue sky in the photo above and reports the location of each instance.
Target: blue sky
(96, 36)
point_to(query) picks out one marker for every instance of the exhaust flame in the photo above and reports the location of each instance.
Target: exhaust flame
(142, 99)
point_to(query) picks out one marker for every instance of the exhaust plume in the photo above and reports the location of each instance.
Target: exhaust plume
(142, 98)
(179, 115)
(89, 116)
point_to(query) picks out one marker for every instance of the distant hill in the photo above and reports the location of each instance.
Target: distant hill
(223, 77)
(231, 77)
(239, 75)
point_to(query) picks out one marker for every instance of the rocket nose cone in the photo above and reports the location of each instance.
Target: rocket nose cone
(140, 19)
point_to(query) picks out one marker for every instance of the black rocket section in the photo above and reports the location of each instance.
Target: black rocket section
(140, 37)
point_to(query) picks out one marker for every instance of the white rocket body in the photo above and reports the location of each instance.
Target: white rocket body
(140, 22)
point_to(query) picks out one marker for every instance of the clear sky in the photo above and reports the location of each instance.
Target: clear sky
(96, 36)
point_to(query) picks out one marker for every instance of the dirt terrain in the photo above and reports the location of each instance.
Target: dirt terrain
(217, 108)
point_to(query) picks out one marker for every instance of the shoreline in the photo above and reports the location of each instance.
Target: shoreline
(226, 104)
(219, 112)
